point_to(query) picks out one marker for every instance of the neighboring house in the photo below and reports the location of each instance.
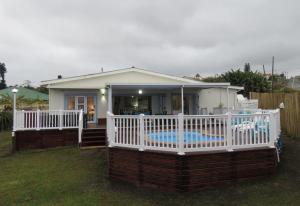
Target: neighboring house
(134, 91)
(294, 83)
(27, 98)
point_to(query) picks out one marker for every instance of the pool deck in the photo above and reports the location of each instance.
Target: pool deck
(192, 171)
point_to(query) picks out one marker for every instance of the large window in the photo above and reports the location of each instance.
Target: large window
(132, 105)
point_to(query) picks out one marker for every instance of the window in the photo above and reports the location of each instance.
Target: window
(70, 102)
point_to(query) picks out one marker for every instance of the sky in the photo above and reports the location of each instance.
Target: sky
(41, 39)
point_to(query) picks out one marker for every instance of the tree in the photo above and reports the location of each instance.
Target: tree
(42, 89)
(251, 81)
(3, 70)
(247, 67)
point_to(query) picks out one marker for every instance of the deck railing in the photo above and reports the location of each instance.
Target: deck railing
(193, 133)
(46, 119)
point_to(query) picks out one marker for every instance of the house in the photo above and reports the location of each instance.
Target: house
(135, 91)
(294, 83)
(161, 131)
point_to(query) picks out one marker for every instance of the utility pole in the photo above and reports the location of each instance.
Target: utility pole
(272, 73)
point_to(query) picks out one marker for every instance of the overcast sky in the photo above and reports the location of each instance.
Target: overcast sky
(41, 39)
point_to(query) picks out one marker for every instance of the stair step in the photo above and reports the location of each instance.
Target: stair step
(92, 147)
(93, 136)
(84, 139)
(93, 132)
(93, 143)
(94, 140)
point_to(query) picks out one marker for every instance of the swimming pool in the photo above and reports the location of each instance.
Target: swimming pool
(188, 137)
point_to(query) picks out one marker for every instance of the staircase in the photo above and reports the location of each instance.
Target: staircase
(93, 138)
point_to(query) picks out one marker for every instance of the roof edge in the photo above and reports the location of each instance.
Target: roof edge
(118, 71)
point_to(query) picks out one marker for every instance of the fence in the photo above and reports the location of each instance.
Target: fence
(192, 133)
(290, 115)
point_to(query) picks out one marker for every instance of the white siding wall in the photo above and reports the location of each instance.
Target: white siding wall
(56, 99)
(210, 98)
(102, 106)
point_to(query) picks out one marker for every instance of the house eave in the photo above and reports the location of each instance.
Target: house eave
(185, 85)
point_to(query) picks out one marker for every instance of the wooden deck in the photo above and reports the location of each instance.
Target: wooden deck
(193, 171)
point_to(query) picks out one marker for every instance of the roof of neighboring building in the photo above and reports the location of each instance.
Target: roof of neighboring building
(27, 93)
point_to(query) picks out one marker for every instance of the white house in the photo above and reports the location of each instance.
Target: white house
(133, 91)
(146, 111)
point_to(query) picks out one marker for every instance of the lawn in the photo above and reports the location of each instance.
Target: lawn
(68, 176)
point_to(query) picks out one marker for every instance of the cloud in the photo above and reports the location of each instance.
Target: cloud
(41, 39)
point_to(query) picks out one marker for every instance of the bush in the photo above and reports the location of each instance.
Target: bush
(6, 121)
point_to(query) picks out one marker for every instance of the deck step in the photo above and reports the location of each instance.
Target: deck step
(88, 138)
(93, 138)
(93, 143)
(92, 147)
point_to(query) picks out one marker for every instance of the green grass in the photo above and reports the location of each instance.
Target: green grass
(68, 176)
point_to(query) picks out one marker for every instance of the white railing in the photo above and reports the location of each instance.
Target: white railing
(47, 119)
(193, 133)
(80, 126)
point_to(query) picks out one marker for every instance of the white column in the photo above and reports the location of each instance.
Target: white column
(37, 119)
(14, 113)
(272, 130)
(142, 133)
(110, 99)
(227, 99)
(180, 134)
(229, 132)
(60, 119)
(182, 102)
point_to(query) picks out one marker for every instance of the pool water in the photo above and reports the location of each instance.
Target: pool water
(189, 137)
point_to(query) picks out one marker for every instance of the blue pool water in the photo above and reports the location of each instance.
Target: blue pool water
(189, 137)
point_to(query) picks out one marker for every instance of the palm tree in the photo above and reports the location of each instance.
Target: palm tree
(3, 70)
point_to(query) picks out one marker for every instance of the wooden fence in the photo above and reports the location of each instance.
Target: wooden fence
(290, 115)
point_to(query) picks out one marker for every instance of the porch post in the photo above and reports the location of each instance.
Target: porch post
(110, 98)
(227, 90)
(182, 102)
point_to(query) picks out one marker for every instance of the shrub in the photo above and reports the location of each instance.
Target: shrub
(6, 121)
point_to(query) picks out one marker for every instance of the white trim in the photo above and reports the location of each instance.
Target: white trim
(224, 85)
(119, 71)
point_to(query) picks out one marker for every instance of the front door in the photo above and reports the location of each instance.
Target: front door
(85, 103)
